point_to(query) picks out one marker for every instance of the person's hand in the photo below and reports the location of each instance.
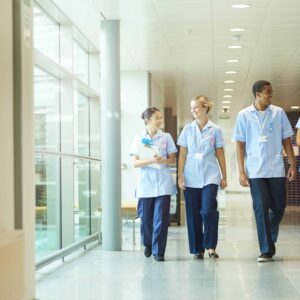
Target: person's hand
(291, 175)
(244, 181)
(181, 183)
(223, 183)
(157, 159)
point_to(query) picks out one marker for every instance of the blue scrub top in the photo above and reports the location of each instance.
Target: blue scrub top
(154, 182)
(201, 166)
(263, 134)
(298, 124)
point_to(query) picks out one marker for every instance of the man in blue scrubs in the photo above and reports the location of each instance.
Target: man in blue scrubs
(298, 133)
(260, 132)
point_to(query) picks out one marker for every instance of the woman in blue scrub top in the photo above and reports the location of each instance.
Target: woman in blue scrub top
(155, 183)
(200, 160)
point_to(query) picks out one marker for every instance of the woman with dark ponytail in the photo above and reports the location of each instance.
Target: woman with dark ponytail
(152, 152)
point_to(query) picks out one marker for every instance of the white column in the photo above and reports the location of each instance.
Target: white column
(110, 135)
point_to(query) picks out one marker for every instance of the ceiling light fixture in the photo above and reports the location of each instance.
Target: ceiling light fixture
(227, 96)
(295, 107)
(228, 90)
(237, 29)
(232, 60)
(240, 5)
(234, 47)
(226, 102)
(230, 72)
(229, 81)
(226, 106)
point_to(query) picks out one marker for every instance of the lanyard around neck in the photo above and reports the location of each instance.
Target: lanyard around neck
(262, 124)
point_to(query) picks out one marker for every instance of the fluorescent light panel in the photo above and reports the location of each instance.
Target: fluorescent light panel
(240, 5)
(234, 47)
(230, 72)
(237, 29)
(232, 60)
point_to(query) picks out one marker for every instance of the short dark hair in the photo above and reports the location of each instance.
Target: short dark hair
(147, 113)
(259, 86)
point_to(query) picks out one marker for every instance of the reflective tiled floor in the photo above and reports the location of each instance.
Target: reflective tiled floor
(97, 274)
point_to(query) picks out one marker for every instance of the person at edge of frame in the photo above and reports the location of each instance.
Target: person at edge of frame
(260, 131)
(298, 133)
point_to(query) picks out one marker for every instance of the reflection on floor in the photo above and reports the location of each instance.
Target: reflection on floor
(97, 274)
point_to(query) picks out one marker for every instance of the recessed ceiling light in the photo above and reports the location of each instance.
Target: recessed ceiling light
(295, 107)
(228, 90)
(232, 60)
(240, 5)
(230, 72)
(227, 96)
(229, 81)
(234, 47)
(226, 102)
(237, 29)
(226, 106)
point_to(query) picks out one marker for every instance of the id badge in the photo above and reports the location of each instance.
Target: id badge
(198, 155)
(262, 139)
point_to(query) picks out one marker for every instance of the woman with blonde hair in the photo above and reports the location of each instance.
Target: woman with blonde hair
(200, 160)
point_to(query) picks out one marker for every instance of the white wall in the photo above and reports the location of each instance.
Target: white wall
(134, 100)
(156, 96)
(227, 126)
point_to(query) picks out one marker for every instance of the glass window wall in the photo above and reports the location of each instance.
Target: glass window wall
(67, 134)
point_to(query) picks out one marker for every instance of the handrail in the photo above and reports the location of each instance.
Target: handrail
(66, 251)
(62, 154)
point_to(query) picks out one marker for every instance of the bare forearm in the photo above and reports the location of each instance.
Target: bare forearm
(138, 163)
(222, 163)
(298, 137)
(287, 145)
(240, 152)
(170, 160)
(181, 161)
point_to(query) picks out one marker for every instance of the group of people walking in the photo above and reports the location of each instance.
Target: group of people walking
(260, 132)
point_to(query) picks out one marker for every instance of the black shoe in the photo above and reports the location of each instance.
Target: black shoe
(265, 257)
(213, 255)
(199, 256)
(147, 251)
(159, 258)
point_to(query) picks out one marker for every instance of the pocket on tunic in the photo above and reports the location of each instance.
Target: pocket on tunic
(276, 163)
(252, 162)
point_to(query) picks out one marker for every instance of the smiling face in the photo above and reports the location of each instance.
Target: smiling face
(155, 121)
(265, 97)
(198, 109)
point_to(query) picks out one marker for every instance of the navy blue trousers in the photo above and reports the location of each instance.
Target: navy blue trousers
(269, 202)
(202, 217)
(154, 213)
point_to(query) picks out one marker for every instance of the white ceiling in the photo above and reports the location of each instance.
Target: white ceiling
(184, 44)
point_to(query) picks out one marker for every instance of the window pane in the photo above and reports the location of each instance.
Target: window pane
(95, 197)
(95, 127)
(80, 62)
(81, 199)
(81, 124)
(47, 205)
(46, 110)
(46, 34)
